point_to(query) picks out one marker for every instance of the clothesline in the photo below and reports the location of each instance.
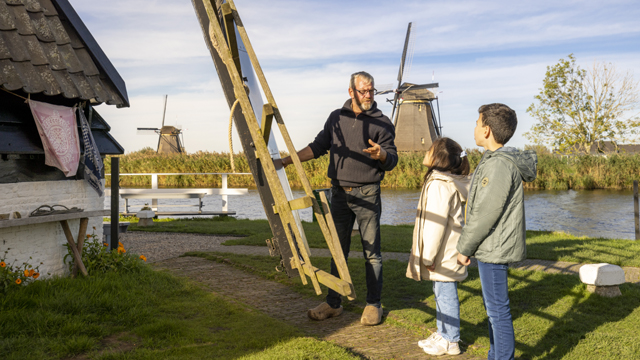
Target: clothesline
(12, 93)
(29, 97)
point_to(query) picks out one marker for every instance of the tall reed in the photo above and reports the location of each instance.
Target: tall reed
(554, 172)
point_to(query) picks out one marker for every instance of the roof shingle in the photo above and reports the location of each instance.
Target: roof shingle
(45, 48)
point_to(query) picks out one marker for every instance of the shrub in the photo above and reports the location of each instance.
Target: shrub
(97, 258)
(14, 276)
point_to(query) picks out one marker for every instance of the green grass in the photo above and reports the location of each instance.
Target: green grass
(543, 245)
(554, 316)
(559, 246)
(145, 315)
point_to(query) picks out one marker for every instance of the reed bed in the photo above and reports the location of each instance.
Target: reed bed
(587, 172)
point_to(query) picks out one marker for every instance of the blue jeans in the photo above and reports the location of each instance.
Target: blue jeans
(495, 296)
(447, 310)
(361, 204)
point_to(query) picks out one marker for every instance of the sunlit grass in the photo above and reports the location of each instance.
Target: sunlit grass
(554, 316)
(143, 315)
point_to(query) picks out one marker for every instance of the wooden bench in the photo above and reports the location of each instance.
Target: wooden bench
(76, 246)
(155, 194)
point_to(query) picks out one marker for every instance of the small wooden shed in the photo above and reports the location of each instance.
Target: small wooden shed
(48, 55)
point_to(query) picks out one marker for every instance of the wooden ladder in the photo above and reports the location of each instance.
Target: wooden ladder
(219, 27)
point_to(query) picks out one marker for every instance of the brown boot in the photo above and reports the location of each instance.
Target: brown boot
(371, 316)
(323, 311)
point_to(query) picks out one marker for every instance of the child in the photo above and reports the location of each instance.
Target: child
(435, 236)
(495, 225)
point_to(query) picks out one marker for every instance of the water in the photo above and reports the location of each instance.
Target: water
(594, 213)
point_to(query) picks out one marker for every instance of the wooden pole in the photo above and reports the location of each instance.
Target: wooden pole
(115, 201)
(636, 208)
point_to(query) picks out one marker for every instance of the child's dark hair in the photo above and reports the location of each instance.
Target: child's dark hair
(501, 119)
(445, 156)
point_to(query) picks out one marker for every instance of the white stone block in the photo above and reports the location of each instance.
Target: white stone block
(145, 214)
(602, 274)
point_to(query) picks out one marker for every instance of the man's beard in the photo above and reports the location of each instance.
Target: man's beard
(364, 106)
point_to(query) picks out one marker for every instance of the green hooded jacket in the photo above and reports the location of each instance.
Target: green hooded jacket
(495, 229)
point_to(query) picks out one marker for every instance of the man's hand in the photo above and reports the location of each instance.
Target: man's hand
(376, 152)
(431, 267)
(463, 260)
(286, 161)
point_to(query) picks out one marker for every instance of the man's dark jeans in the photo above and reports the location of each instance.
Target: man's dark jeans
(360, 204)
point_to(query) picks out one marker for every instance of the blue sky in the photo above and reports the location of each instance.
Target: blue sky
(478, 51)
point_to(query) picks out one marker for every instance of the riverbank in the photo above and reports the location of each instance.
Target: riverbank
(554, 172)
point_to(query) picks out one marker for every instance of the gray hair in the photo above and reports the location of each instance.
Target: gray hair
(365, 76)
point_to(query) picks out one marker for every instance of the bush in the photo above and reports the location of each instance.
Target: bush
(14, 276)
(97, 258)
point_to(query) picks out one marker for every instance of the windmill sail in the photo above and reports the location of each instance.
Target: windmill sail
(401, 70)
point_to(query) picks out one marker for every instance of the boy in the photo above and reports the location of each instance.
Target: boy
(495, 224)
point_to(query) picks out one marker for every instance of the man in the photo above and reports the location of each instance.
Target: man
(359, 139)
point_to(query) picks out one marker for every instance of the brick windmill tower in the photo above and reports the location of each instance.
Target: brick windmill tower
(415, 111)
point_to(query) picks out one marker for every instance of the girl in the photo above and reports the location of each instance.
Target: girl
(435, 236)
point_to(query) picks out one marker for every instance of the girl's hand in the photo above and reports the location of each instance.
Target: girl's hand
(463, 260)
(432, 267)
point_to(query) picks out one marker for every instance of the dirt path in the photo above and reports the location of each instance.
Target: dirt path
(278, 301)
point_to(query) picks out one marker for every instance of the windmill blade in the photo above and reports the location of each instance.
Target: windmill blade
(400, 73)
(384, 89)
(406, 71)
(147, 131)
(406, 87)
(165, 108)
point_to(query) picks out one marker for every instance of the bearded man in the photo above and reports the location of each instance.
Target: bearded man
(360, 142)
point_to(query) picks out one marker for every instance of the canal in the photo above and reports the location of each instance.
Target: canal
(593, 213)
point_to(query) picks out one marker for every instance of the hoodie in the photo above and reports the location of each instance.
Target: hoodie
(438, 227)
(345, 135)
(495, 229)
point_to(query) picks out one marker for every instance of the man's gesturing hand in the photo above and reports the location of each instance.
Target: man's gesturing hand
(376, 152)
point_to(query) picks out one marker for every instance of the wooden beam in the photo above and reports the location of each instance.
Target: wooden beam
(267, 119)
(82, 233)
(336, 284)
(335, 246)
(72, 245)
(231, 35)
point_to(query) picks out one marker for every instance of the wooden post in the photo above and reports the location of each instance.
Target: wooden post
(154, 185)
(115, 201)
(636, 208)
(225, 197)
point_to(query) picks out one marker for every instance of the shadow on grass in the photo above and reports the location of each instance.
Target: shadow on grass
(557, 246)
(552, 313)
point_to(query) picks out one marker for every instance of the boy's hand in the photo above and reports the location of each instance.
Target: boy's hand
(376, 152)
(431, 267)
(463, 260)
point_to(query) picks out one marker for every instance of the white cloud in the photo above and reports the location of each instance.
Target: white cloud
(491, 51)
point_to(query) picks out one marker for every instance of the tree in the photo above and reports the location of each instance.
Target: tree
(576, 108)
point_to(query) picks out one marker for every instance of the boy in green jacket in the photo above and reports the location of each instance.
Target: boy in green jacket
(495, 223)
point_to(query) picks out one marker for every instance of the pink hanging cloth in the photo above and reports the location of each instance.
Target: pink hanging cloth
(59, 133)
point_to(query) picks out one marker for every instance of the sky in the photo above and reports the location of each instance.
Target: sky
(479, 52)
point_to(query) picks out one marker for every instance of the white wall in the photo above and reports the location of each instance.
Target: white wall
(44, 242)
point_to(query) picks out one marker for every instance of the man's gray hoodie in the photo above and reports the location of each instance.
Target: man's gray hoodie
(495, 229)
(346, 135)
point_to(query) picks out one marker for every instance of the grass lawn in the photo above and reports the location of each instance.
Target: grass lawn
(542, 245)
(142, 315)
(554, 315)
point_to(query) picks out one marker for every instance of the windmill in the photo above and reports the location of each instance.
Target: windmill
(413, 114)
(169, 141)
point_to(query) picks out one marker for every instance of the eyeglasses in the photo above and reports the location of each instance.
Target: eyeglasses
(365, 92)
